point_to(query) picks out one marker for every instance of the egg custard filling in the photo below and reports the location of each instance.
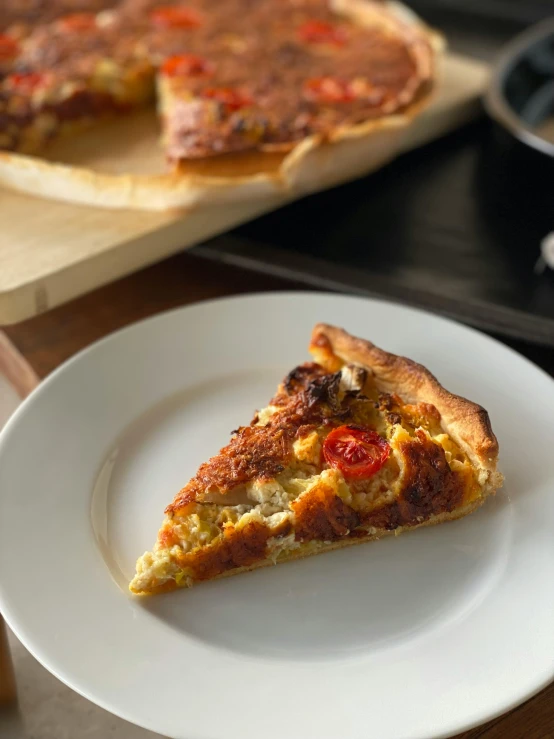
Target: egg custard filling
(334, 459)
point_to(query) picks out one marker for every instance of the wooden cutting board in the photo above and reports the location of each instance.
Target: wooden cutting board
(52, 251)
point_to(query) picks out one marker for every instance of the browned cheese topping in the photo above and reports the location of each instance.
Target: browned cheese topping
(233, 76)
(312, 401)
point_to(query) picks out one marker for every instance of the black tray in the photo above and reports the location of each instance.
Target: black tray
(454, 227)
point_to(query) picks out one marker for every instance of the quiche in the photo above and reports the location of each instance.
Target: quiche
(69, 74)
(284, 72)
(20, 15)
(233, 76)
(356, 445)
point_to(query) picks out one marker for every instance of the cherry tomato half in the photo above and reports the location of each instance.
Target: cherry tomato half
(8, 47)
(175, 16)
(232, 99)
(329, 90)
(76, 22)
(356, 451)
(25, 81)
(187, 65)
(321, 32)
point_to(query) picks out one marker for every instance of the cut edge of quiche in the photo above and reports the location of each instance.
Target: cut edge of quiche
(356, 445)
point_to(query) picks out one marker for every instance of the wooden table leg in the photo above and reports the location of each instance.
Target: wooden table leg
(23, 379)
(17, 371)
(8, 693)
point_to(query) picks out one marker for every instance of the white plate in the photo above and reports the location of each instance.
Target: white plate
(409, 638)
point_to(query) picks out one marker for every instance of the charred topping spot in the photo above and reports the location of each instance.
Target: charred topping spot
(429, 487)
(298, 378)
(321, 515)
(324, 390)
(305, 429)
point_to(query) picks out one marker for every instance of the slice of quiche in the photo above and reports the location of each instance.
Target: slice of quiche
(355, 445)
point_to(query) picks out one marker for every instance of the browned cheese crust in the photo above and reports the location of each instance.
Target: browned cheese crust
(170, 585)
(19, 16)
(441, 467)
(67, 74)
(258, 75)
(310, 72)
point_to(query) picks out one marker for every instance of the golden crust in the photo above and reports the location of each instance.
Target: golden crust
(467, 423)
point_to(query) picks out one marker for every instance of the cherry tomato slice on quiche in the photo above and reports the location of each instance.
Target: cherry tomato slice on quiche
(356, 451)
(25, 81)
(8, 48)
(321, 32)
(231, 98)
(78, 22)
(175, 16)
(187, 65)
(329, 90)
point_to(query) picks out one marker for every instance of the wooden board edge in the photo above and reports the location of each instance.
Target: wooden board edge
(32, 298)
(58, 285)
